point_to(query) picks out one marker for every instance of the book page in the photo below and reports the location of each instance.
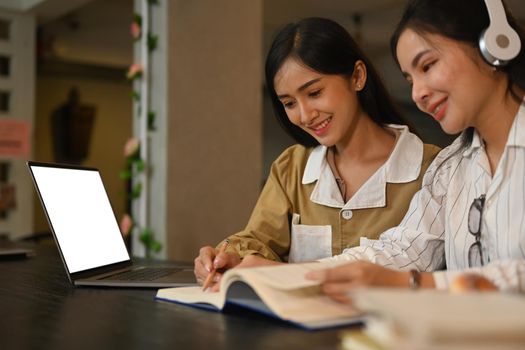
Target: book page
(191, 295)
(304, 305)
(194, 295)
(284, 277)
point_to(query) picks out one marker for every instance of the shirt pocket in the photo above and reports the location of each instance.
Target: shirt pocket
(309, 242)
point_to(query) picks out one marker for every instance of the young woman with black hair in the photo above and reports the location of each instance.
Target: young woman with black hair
(468, 217)
(355, 166)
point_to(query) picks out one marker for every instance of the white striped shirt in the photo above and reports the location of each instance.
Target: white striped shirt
(434, 232)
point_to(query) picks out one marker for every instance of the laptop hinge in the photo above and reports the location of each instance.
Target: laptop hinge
(100, 270)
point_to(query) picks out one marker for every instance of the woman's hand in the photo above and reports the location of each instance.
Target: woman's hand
(210, 259)
(256, 260)
(470, 282)
(338, 281)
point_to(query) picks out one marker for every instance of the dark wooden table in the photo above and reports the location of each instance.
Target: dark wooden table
(39, 309)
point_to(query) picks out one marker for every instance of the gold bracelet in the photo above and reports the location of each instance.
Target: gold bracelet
(414, 280)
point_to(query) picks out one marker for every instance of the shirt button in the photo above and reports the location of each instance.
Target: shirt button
(347, 214)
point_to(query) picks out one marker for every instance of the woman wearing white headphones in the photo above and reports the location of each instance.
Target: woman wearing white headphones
(468, 217)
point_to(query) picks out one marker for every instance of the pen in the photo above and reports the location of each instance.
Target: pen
(212, 272)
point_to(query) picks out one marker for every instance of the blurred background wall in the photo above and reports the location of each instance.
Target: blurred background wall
(217, 136)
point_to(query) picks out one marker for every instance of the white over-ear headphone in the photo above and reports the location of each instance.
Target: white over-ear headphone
(499, 43)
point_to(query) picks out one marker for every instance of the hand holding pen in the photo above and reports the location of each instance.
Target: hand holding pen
(211, 259)
(211, 275)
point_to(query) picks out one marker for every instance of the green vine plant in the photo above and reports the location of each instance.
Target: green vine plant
(135, 165)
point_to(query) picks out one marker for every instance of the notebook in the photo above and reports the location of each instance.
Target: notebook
(87, 234)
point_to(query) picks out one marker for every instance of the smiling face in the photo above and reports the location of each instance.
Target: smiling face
(450, 81)
(325, 106)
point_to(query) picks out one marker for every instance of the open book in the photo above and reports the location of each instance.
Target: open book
(280, 291)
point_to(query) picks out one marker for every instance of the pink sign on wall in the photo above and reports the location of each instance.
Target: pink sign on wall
(14, 138)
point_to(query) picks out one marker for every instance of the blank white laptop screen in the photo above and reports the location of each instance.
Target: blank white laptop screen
(80, 213)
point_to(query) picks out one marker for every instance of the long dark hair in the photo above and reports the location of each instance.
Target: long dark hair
(326, 47)
(464, 21)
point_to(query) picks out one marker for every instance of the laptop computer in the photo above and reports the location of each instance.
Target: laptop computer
(87, 234)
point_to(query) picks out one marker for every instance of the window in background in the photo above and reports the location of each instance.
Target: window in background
(4, 101)
(5, 29)
(5, 66)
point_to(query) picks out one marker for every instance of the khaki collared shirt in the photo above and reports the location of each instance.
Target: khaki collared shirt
(301, 214)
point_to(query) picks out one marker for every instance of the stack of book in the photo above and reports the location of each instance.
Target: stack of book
(430, 319)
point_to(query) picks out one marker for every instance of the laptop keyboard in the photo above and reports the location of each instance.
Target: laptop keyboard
(144, 274)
